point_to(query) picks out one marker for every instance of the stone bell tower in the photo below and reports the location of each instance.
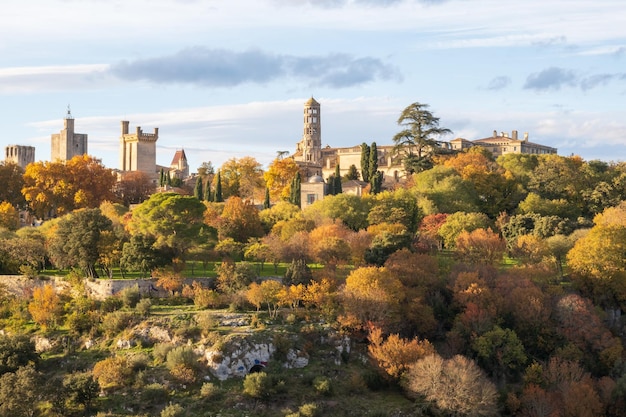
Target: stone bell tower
(309, 149)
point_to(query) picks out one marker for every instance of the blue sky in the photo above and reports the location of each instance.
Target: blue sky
(226, 79)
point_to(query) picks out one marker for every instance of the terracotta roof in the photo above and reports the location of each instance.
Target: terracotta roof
(178, 156)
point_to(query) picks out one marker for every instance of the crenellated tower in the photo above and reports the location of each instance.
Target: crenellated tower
(309, 149)
(138, 150)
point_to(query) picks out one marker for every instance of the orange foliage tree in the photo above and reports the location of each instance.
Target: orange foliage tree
(480, 247)
(45, 307)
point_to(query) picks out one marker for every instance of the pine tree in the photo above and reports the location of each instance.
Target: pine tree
(373, 162)
(207, 191)
(197, 191)
(365, 162)
(218, 189)
(266, 202)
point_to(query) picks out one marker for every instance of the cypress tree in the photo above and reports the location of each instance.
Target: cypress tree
(197, 191)
(218, 189)
(295, 190)
(266, 202)
(337, 181)
(207, 191)
(365, 162)
(168, 179)
(376, 182)
(161, 178)
(373, 162)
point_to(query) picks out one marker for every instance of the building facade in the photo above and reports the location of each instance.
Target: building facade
(502, 144)
(19, 155)
(179, 167)
(67, 144)
(138, 150)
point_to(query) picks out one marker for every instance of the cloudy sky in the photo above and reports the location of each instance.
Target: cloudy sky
(228, 78)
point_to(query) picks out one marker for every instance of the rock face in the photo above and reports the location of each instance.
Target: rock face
(241, 356)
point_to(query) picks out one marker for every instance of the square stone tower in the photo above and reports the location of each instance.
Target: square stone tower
(138, 150)
(19, 155)
(67, 144)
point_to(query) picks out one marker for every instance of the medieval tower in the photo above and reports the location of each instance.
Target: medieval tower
(138, 150)
(67, 144)
(19, 155)
(311, 143)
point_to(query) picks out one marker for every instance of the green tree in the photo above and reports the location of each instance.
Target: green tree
(295, 197)
(140, 254)
(352, 174)
(416, 143)
(76, 238)
(16, 351)
(365, 161)
(352, 210)
(501, 353)
(217, 197)
(174, 222)
(266, 200)
(197, 191)
(12, 180)
(337, 181)
(20, 392)
(372, 165)
(458, 222)
(376, 182)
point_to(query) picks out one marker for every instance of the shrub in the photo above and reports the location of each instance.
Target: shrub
(182, 363)
(154, 393)
(16, 351)
(160, 351)
(322, 385)
(130, 296)
(115, 322)
(210, 391)
(113, 372)
(111, 304)
(83, 322)
(143, 307)
(308, 410)
(206, 321)
(257, 385)
(173, 410)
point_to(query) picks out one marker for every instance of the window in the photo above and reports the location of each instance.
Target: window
(310, 198)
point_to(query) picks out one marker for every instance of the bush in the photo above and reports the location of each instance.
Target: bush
(111, 304)
(308, 410)
(181, 355)
(130, 296)
(206, 321)
(173, 410)
(257, 385)
(115, 322)
(16, 351)
(154, 393)
(113, 372)
(322, 385)
(210, 391)
(160, 351)
(143, 307)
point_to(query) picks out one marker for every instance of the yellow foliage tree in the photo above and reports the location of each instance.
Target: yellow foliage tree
(9, 217)
(278, 177)
(45, 307)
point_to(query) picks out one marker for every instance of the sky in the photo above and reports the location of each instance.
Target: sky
(226, 79)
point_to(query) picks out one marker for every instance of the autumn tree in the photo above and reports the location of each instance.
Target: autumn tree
(239, 220)
(134, 187)
(371, 294)
(57, 188)
(459, 222)
(454, 386)
(9, 217)
(241, 178)
(12, 178)
(399, 206)
(445, 191)
(76, 240)
(45, 307)
(278, 177)
(352, 210)
(394, 355)
(479, 246)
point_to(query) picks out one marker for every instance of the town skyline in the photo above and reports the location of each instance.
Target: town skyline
(221, 83)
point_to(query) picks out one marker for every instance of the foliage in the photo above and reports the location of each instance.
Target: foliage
(459, 222)
(479, 246)
(295, 190)
(500, 352)
(134, 187)
(12, 179)
(20, 392)
(75, 241)
(395, 355)
(16, 351)
(113, 372)
(45, 308)
(232, 277)
(455, 386)
(9, 218)
(417, 143)
(239, 220)
(257, 385)
(241, 177)
(278, 177)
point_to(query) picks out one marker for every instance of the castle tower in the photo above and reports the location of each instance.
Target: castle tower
(67, 144)
(179, 164)
(138, 150)
(19, 155)
(310, 146)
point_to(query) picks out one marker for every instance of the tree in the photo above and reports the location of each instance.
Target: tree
(45, 308)
(134, 187)
(337, 181)
(57, 188)
(266, 200)
(278, 177)
(20, 392)
(479, 246)
(174, 222)
(217, 197)
(75, 241)
(9, 217)
(239, 220)
(16, 351)
(500, 352)
(295, 197)
(372, 165)
(416, 143)
(241, 177)
(455, 386)
(198, 192)
(458, 222)
(376, 182)
(365, 161)
(140, 254)
(12, 180)
(352, 210)
(399, 206)
(352, 174)
(395, 355)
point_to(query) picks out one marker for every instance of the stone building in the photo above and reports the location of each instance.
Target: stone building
(317, 161)
(67, 143)
(502, 144)
(138, 151)
(179, 167)
(19, 155)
